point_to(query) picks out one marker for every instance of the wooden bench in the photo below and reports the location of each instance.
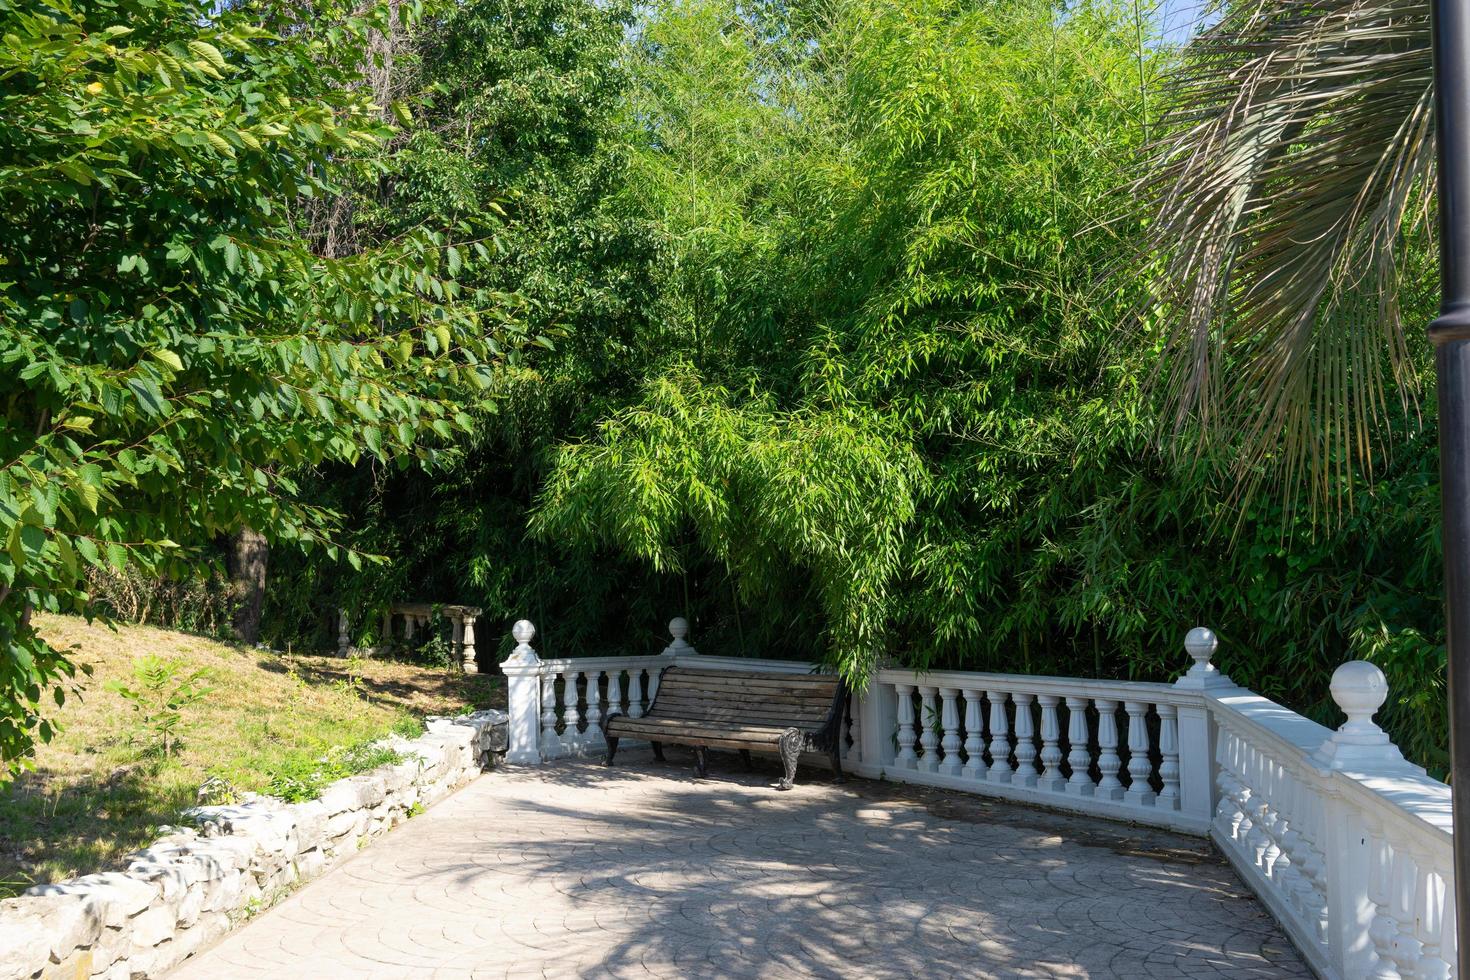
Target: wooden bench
(744, 710)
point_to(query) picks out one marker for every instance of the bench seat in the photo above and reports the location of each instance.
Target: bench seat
(760, 711)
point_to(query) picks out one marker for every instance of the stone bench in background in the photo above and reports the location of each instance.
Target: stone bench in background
(413, 618)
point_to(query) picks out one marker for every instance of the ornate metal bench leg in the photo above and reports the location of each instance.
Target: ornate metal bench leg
(612, 749)
(700, 770)
(790, 745)
(841, 776)
(745, 758)
(658, 751)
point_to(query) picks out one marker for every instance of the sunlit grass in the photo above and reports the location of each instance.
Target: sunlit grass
(99, 791)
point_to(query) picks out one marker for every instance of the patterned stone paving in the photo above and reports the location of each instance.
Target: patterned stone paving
(573, 870)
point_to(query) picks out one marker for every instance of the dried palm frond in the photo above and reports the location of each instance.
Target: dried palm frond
(1297, 156)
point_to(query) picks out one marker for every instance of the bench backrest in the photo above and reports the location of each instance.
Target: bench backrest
(805, 701)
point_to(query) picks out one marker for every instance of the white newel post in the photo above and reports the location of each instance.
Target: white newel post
(522, 670)
(1196, 728)
(876, 715)
(1356, 854)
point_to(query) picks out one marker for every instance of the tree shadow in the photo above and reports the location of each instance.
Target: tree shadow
(54, 827)
(583, 870)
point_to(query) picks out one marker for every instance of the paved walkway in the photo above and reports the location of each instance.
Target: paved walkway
(574, 870)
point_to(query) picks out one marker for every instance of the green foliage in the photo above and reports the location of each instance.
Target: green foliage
(161, 692)
(301, 778)
(906, 429)
(407, 726)
(175, 350)
(518, 112)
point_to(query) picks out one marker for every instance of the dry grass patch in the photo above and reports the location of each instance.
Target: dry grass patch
(101, 788)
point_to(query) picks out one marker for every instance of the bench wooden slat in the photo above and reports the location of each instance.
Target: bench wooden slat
(677, 728)
(805, 683)
(752, 675)
(818, 706)
(746, 710)
(777, 711)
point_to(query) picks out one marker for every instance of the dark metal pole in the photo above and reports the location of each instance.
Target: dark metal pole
(1450, 333)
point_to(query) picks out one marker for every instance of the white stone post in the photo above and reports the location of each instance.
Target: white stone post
(467, 652)
(679, 647)
(876, 714)
(1196, 727)
(522, 670)
(1356, 854)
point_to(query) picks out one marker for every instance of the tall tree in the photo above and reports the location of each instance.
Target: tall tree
(174, 350)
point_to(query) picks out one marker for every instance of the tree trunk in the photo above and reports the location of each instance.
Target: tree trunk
(248, 554)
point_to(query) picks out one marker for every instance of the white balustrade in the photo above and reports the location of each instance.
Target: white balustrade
(1348, 845)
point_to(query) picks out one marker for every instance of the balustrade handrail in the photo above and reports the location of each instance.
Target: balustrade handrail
(1153, 691)
(559, 664)
(1414, 800)
(1273, 723)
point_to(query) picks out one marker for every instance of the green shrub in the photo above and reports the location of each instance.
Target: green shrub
(161, 693)
(301, 778)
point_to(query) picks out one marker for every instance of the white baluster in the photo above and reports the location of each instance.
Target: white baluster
(1109, 787)
(1000, 739)
(653, 677)
(1287, 870)
(550, 743)
(635, 693)
(1051, 750)
(928, 739)
(592, 738)
(1428, 927)
(1228, 815)
(907, 758)
(1258, 841)
(614, 690)
(1025, 774)
(1383, 930)
(975, 767)
(1079, 757)
(1168, 756)
(1405, 950)
(467, 654)
(950, 720)
(1313, 864)
(1140, 793)
(571, 732)
(1439, 923)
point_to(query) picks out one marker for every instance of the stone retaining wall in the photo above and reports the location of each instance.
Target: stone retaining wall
(195, 884)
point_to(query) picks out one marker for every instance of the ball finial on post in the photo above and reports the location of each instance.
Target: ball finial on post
(679, 646)
(523, 631)
(1201, 643)
(1360, 689)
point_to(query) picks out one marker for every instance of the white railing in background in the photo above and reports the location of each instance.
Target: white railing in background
(1347, 844)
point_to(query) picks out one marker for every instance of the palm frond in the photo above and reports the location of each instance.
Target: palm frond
(1296, 158)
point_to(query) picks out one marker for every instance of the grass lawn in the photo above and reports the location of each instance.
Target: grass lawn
(99, 790)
